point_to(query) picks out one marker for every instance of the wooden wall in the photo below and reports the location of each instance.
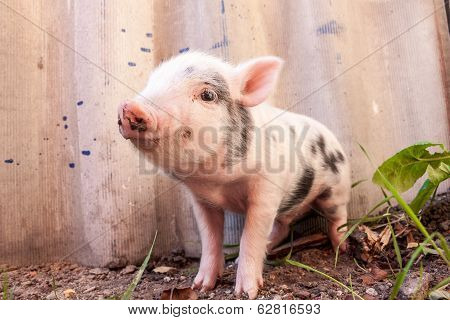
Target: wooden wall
(73, 189)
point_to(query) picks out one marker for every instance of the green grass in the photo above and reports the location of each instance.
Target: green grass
(5, 287)
(398, 254)
(127, 295)
(323, 274)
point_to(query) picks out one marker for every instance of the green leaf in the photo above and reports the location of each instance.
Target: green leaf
(436, 176)
(439, 174)
(404, 168)
(425, 192)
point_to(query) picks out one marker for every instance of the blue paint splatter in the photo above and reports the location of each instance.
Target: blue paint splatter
(331, 27)
(149, 34)
(72, 165)
(222, 7)
(86, 153)
(66, 126)
(64, 118)
(123, 30)
(184, 50)
(80, 103)
(145, 50)
(221, 44)
(9, 161)
(132, 64)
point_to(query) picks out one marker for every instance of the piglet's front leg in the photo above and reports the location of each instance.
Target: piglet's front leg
(258, 224)
(210, 224)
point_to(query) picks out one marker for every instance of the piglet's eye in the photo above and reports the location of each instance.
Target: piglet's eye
(208, 95)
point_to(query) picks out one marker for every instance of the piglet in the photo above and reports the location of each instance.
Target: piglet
(205, 123)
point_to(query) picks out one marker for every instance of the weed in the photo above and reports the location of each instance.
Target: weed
(5, 286)
(127, 295)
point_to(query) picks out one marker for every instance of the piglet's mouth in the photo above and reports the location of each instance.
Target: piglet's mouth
(134, 121)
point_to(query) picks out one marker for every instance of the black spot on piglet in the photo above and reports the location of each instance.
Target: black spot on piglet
(300, 191)
(330, 159)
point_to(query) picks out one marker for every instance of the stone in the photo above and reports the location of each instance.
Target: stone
(107, 293)
(129, 269)
(303, 294)
(415, 286)
(372, 292)
(59, 295)
(98, 271)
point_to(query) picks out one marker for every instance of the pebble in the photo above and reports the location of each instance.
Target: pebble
(310, 284)
(287, 296)
(303, 294)
(321, 288)
(381, 287)
(51, 295)
(284, 287)
(27, 283)
(129, 269)
(107, 292)
(167, 279)
(372, 292)
(227, 291)
(276, 297)
(182, 278)
(98, 271)
(18, 292)
(415, 286)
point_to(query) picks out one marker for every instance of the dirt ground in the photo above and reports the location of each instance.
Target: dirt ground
(367, 269)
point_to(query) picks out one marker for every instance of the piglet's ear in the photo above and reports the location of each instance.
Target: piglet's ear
(257, 78)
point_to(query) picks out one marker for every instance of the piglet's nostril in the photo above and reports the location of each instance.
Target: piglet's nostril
(119, 122)
(138, 125)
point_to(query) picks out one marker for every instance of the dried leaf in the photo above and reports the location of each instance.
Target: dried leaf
(179, 294)
(372, 236)
(412, 243)
(163, 269)
(378, 274)
(69, 294)
(385, 236)
(367, 279)
(440, 294)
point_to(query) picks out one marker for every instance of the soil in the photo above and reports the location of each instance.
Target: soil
(371, 273)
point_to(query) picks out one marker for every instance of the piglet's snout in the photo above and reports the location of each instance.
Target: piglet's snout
(134, 120)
